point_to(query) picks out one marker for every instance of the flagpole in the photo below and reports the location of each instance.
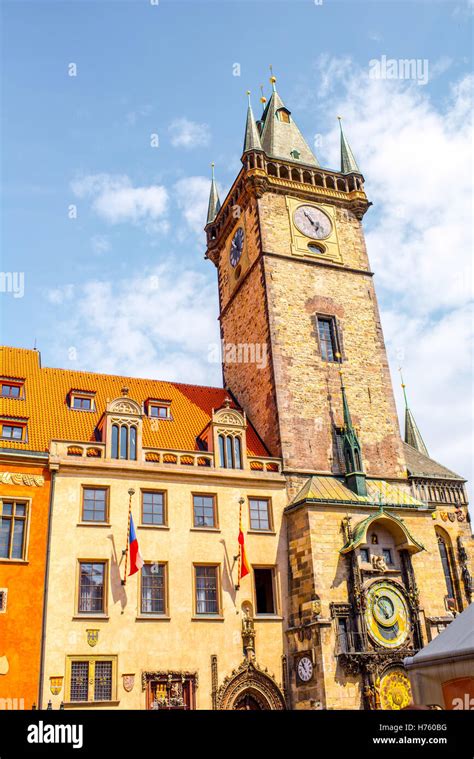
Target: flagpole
(239, 565)
(131, 493)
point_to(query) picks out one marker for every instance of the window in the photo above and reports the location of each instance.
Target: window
(283, 115)
(94, 504)
(158, 409)
(260, 518)
(230, 451)
(364, 555)
(327, 338)
(447, 568)
(387, 555)
(91, 679)
(13, 526)
(295, 154)
(153, 508)
(153, 592)
(91, 587)
(264, 591)
(3, 600)
(160, 412)
(81, 401)
(207, 601)
(204, 509)
(124, 442)
(11, 390)
(13, 431)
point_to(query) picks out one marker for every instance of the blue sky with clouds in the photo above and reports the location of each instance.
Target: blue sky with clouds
(124, 287)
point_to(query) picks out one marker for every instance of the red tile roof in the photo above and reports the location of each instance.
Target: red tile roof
(49, 417)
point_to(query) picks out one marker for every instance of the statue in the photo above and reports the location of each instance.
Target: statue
(378, 563)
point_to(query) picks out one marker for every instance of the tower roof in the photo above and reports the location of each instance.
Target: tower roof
(348, 162)
(280, 137)
(214, 202)
(252, 137)
(412, 433)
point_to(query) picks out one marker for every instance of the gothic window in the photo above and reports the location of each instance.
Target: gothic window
(230, 451)
(264, 579)
(447, 562)
(328, 341)
(124, 442)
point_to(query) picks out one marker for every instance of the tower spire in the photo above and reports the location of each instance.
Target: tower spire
(214, 202)
(348, 162)
(252, 137)
(412, 433)
(355, 476)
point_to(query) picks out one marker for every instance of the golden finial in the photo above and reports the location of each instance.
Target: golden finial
(272, 78)
(263, 99)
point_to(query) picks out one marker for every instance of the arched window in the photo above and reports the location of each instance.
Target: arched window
(230, 451)
(445, 553)
(115, 441)
(133, 443)
(124, 442)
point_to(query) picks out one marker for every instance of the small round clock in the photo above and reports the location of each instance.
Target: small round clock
(236, 247)
(305, 669)
(387, 615)
(312, 222)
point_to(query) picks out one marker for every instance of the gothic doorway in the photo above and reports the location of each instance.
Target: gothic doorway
(250, 688)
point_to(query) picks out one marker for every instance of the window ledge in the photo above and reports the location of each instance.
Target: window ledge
(207, 618)
(152, 618)
(4, 560)
(94, 524)
(154, 526)
(88, 615)
(268, 618)
(204, 529)
(94, 704)
(261, 532)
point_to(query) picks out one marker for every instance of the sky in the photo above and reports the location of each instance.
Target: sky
(112, 114)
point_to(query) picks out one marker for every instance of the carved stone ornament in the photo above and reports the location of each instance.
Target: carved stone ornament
(19, 478)
(92, 637)
(124, 406)
(250, 679)
(229, 417)
(128, 682)
(378, 563)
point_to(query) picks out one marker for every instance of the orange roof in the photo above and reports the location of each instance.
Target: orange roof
(49, 417)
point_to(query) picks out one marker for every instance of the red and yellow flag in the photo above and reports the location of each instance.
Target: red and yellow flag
(244, 568)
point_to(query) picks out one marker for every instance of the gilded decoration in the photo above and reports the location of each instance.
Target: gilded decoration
(395, 689)
(19, 478)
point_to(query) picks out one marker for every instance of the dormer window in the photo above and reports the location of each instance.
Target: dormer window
(82, 400)
(158, 409)
(283, 115)
(227, 437)
(12, 430)
(230, 451)
(123, 428)
(12, 389)
(295, 154)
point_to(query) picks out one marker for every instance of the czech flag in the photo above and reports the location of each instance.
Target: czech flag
(243, 564)
(136, 559)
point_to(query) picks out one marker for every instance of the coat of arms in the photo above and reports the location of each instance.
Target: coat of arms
(92, 637)
(451, 516)
(128, 682)
(55, 685)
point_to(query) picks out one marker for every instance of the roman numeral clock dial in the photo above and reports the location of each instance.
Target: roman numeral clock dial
(312, 222)
(236, 247)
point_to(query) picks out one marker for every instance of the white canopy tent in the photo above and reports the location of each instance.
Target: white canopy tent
(442, 672)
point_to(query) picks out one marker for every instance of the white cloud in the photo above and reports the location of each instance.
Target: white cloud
(155, 325)
(116, 201)
(100, 244)
(188, 134)
(192, 196)
(59, 295)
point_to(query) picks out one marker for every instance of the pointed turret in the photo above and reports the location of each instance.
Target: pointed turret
(348, 162)
(214, 202)
(355, 476)
(280, 137)
(412, 433)
(252, 137)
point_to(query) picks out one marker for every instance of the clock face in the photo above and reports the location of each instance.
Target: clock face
(312, 222)
(387, 615)
(236, 247)
(305, 669)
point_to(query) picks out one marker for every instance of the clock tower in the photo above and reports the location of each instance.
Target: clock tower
(372, 574)
(297, 302)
